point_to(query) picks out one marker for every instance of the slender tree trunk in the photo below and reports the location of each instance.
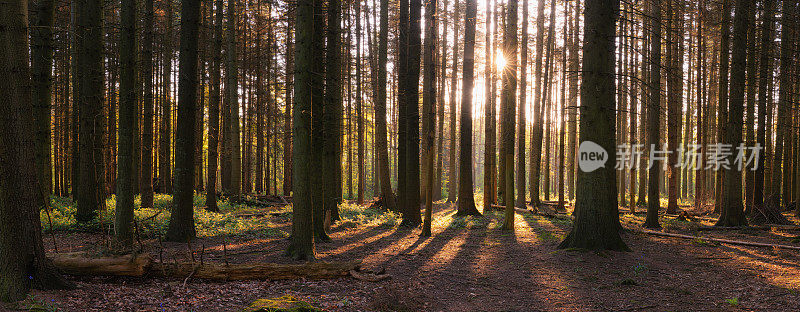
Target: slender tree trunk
(452, 186)
(213, 111)
(538, 103)
(428, 110)
(147, 105)
(387, 197)
(653, 117)
(783, 136)
(722, 117)
(232, 102)
(489, 166)
(41, 71)
(523, 96)
(181, 222)
(508, 105)
(164, 164)
(596, 214)
(288, 98)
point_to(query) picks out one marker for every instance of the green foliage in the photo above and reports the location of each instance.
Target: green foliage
(363, 215)
(733, 301)
(153, 222)
(34, 304)
(282, 304)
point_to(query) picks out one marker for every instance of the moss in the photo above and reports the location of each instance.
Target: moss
(281, 304)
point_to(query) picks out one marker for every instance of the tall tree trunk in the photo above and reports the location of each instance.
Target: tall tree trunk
(310, 40)
(23, 264)
(164, 164)
(596, 214)
(213, 111)
(508, 102)
(428, 110)
(752, 79)
(123, 222)
(538, 103)
(783, 136)
(675, 103)
(329, 120)
(181, 221)
(147, 104)
(765, 75)
(466, 198)
(90, 103)
(408, 142)
(653, 117)
(288, 98)
(41, 71)
(722, 117)
(573, 99)
(732, 210)
(523, 95)
(452, 185)
(359, 112)
(387, 197)
(489, 158)
(232, 103)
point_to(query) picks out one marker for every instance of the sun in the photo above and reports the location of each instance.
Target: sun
(500, 60)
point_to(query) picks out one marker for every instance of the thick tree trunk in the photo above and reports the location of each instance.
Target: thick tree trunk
(310, 40)
(732, 210)
(722, 117)
(90, 102)
(123, 222)
(466, 198)
(329, 121)
(181, 222)
(596, 224)
(22, 260)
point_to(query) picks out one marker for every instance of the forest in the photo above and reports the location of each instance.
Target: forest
(399, 155)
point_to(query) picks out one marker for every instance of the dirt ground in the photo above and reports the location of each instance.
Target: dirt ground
(470, 265)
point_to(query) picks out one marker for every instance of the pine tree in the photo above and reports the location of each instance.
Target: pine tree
(508, 102)
(596, 223)
(466, 198)
(181, 222)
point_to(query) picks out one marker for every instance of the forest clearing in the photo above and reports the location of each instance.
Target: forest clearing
(399, 155)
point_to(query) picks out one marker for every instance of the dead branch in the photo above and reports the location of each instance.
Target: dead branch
(718, 240)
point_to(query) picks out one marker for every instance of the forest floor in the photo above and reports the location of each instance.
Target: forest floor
(467, 265)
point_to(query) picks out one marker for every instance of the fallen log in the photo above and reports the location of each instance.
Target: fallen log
(258, 271)
(78, 263)
(131, 265)
(718, 240)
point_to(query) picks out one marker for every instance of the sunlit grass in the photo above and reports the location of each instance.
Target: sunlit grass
(153, 222)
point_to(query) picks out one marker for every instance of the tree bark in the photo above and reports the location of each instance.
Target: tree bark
(181, 222)
(732, 210)
(653, 118)
(466, 198)
(41, 70)
(596, 224)
(387, 197)
(22, 259)
(508, 102)
(429, 110)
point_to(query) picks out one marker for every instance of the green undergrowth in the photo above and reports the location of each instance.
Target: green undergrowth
(153, 222)
(232, 220)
